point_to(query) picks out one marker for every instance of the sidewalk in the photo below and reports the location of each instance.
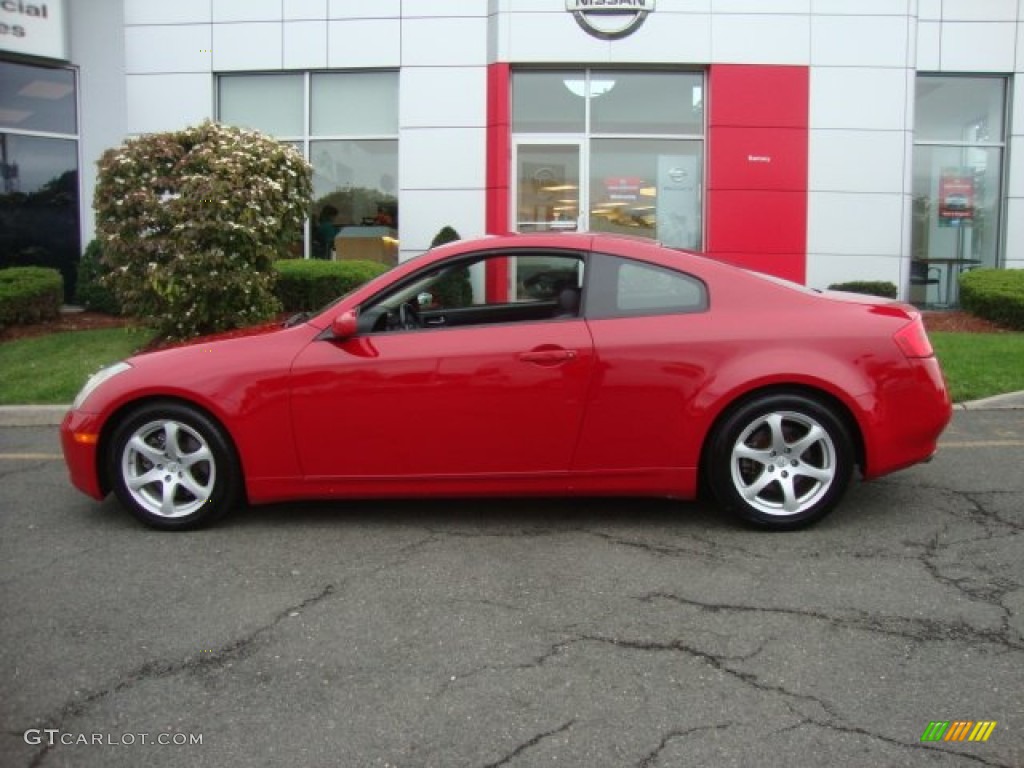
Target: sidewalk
(52, 415)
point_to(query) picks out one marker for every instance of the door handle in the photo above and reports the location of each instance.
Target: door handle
(548, 356)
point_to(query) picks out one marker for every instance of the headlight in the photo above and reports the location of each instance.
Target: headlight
(96, 379)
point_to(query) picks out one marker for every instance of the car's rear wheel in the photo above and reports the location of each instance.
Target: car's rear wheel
(172, 466)
(781, 461)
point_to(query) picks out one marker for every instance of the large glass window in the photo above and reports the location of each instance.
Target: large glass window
(39, 170)
(346, 124)
(959, 145)
(610, 151)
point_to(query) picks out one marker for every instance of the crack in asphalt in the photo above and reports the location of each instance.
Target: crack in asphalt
(154, 670)
(531, 743)
(661, 550)
(915, 629)
(716, 661)
(651, 757)
(917, 747)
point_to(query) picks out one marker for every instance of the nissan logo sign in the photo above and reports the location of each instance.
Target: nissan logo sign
(609, 19)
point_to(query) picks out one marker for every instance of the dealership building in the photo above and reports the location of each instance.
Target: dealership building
(822, 141)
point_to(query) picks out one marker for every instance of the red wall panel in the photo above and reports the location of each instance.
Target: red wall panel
(757, 167)
(499, 160)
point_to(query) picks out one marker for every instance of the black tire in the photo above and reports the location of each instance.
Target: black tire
(781, 461)
(173, 467)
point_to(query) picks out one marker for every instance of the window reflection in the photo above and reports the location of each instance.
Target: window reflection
(356, 210)
(647, 187)
(958, 176)
(39, 205)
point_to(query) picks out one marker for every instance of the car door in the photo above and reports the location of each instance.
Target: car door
(649, 326)
(487, 399)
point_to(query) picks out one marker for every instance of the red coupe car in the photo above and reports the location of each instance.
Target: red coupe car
(527, 365)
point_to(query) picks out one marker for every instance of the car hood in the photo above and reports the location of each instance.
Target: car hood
(236, 333)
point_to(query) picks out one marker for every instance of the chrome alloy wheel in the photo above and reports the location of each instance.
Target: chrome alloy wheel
(783, 463)
(168, 468)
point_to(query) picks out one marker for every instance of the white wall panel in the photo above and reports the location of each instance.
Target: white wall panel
(178, 12)
(1017, 113)
(424, 212)
(852, 97)
(247, 10)
(979, 10)
(861, 7)
(752, 39)
(444, 42)
(248, 45)
(550, 37)
(673, 39)
(854, 224)
(929, 10)
(684, 6)
(443, 96)
(534, 6)
(378, 9)
(1015, 184)
(760, 6)
(305, 9)
(978, 47)
(856, 161)
(178, 48)
(929, 37)
(826, 269)
(1015, 230)
(364, 43)
(305, 44)
(1020, 45)
(446, 8)
(442, 158)
(859, 41)
(167, 102)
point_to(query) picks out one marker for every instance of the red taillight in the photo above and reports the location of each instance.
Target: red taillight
(913, 340)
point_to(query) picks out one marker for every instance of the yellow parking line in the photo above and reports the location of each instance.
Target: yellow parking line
(30, 456)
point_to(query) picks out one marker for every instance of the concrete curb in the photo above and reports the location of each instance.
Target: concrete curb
(1012, 401)
(52, 415)
(32, 415)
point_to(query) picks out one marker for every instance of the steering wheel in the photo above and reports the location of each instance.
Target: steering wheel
(409, 317)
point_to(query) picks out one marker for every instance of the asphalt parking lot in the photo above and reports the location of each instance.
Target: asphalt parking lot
(518, 633)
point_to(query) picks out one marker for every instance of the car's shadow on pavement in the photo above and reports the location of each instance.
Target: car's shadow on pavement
(521, 514)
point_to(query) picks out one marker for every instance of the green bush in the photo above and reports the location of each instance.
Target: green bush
(191, 221)
(994, 294)
(304, 285)
(881, 288)
(91, 292)
(29, 294)
(454, 289)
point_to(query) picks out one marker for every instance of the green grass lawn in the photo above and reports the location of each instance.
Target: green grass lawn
(51, 369)
(980, 365)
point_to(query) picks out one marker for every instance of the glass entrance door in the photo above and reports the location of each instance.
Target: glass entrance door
(548, 190)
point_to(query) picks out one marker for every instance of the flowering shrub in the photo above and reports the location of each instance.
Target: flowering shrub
(191, 221)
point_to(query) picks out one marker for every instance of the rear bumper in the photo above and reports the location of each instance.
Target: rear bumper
(907, 417)
(81, 451)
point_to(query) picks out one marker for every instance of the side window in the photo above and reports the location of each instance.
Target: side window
(520, 286)
(623, 288)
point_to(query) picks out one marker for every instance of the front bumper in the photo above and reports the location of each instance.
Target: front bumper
(79, 440)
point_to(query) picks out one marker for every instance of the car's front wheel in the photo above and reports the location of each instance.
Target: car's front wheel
(781, 461)
(172, 466)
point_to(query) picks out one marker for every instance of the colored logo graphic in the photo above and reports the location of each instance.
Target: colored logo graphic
(958, 730)
(609, 19)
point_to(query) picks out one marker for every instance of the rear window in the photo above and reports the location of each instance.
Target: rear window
(623, 287)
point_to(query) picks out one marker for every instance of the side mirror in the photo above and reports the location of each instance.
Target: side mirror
(345, 325)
